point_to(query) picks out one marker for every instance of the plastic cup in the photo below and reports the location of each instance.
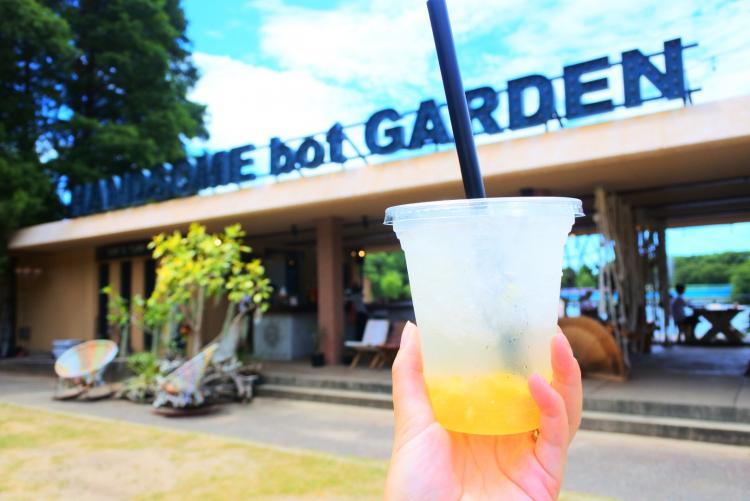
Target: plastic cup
(485, 282)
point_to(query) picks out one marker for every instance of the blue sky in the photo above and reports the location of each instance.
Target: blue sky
(290, 67)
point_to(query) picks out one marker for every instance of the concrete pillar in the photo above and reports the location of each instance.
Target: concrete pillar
(137, 288)
(330, 288)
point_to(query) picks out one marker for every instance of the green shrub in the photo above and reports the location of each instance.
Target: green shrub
(387, 274)
(142, 386)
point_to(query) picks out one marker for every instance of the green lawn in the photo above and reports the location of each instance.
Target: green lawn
(46, 455)
(49, 455)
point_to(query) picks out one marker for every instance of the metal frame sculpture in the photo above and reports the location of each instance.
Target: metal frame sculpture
(227, 378)
(181, 389)
(80, 370)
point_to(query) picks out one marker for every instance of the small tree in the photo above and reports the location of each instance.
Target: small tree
(118, 318)
(191, 269)
(197, 266)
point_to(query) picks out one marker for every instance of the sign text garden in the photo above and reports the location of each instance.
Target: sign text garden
(385, 132)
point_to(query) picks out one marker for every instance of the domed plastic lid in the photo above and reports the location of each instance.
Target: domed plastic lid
(505, 206)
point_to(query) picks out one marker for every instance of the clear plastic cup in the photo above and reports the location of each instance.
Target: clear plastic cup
(485, 282)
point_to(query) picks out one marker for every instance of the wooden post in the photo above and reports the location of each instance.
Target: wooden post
(330, 288)
(137, 287)
(663, 276)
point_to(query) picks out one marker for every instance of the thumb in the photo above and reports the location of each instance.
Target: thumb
(411, 405)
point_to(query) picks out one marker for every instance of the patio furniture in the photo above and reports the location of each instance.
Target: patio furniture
(376, 332)
(80, 370)
(594, 347)
(60, 346)
(182, 388)
(387, 352)
(720, 319)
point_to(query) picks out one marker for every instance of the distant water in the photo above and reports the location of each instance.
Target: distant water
(696, 293)
(708, 293)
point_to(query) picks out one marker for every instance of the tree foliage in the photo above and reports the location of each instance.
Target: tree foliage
(568, 277)
(387, 274)
(127, 90)
(586, 277)
(118, 318)
(35, 57)
(741, 283)
(88, 88)
(26, 197)
(708, 269)
(192, 268)
(35, 60)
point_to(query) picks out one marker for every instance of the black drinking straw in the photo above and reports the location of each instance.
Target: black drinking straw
(458, 108)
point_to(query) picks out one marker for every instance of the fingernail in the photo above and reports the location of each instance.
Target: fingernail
(564, 341)
(407, 333)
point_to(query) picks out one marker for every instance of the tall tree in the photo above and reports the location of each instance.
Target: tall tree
(88, 88)
(34, 56)
(128, 88)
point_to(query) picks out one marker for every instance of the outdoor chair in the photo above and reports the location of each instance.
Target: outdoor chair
(80, 370)
(376, 333)
(387, 352)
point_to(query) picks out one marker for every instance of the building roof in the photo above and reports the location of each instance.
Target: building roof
(702, 152)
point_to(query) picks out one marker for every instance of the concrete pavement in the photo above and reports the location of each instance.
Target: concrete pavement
(621, 466)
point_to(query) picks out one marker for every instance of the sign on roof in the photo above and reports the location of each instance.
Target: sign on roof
(583, 89)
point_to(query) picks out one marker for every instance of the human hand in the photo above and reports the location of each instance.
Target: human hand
(430, 463)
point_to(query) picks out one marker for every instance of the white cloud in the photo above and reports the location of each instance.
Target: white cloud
(385, 47)
(250, 104)
(342, 63)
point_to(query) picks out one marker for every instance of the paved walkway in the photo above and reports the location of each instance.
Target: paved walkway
(620, 466)
(705, 376)
(355, 432)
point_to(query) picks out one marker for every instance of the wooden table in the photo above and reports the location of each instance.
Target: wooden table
(721, 323)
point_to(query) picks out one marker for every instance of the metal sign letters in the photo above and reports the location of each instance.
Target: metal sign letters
(385, 132)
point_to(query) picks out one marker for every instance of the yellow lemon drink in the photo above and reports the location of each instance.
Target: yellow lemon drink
(485, 282)
(483, 404)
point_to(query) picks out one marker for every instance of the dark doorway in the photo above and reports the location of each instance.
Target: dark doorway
(101, 312)
(149, 282)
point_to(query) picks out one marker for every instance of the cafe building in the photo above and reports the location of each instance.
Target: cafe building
(313, 207)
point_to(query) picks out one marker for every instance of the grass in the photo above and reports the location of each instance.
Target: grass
(47, 455)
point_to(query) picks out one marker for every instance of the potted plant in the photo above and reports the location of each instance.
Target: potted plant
(317, 359)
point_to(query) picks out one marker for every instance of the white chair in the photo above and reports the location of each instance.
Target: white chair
(376, 333)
